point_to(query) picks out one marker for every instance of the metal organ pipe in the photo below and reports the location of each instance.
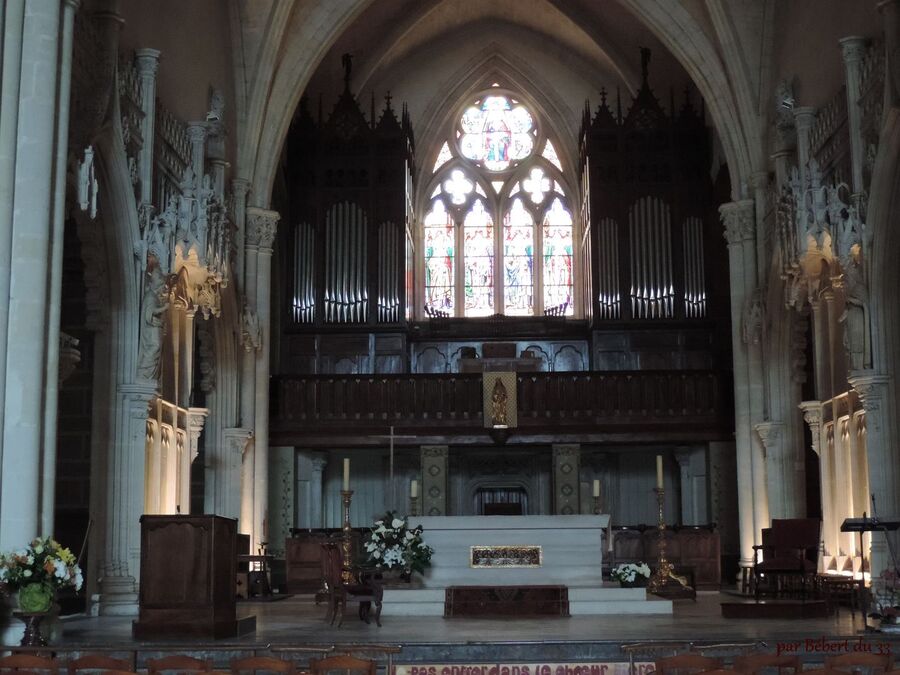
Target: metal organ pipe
(652, 284)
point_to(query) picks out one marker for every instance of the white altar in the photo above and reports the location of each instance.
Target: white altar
(571, 554)
(570, 546)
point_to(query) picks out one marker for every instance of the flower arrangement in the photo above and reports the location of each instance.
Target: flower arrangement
(393, 544)
(44, 562)
(886, 596)
(627, 573)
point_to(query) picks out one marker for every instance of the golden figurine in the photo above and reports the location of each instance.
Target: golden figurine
(498, 404)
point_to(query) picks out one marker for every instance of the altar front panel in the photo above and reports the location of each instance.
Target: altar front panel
(571, 552)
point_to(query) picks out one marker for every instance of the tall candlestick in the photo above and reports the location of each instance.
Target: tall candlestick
(414, 488)
(346, 474)
(596, 487)
(659, 472)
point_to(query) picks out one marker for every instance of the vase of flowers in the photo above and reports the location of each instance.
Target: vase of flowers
(631, 575)
(886, 600)
(394, 545)
(36, 573)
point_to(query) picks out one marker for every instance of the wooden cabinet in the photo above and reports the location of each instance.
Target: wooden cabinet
(187, 588)
(303, 556)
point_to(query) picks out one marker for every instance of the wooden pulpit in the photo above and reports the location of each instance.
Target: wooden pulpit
(188, 566)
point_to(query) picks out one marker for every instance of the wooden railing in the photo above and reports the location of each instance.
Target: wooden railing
(451, 404)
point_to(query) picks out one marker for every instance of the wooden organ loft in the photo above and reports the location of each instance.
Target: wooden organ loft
(647, 359)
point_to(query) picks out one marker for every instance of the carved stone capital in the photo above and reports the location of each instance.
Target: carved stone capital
(804, 118)
(319, 462)
(812, 415)
(853, 48)
(196, 132)
(147, 62)
(196, 418)
(739, 221)
(240, 187)
(237, 439)
(262, 225)
(770, 434)
(871, 388)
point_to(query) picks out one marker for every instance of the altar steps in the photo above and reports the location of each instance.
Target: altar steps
(583, 601)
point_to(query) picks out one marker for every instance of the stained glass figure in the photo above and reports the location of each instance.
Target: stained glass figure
(550, 155)
(439, 249)
(458, 186)
(536, 185)
(478, 257)
(558, 273)
(496, 132)
(443, 157)
(518, 261)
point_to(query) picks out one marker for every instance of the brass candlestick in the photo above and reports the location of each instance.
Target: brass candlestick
(413, 506)
(664, 568)
(347, 541)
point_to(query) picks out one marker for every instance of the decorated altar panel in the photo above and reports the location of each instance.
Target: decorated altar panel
(514, 550)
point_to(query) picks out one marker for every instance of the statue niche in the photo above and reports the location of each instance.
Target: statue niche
(499, 399)
(153, 316)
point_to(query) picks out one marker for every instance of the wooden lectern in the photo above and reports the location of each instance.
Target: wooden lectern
(188, 568)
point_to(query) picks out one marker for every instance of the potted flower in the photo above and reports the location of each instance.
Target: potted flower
(394, 545)
(37, 572)
(886, 597)
(631, 575)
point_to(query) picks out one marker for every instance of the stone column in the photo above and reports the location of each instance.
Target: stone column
(124, 486)
(738, 219)
(282, 468)
(147, 63)
(812, 415)
(853, 50)
(781, 470)
(32, 211)
(246, 273)
(196, 419)
(566, 472)
(883, 462)
(224, 499)
(317, 513)
(435, 481)
(196, 133)
(261, 225)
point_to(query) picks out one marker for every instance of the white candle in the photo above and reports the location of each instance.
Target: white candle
(596, 487)
(346, 475)
(659, 472)
(414, 488)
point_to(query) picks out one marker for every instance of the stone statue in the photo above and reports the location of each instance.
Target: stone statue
(153, 311)
(856, 316)
(498, 404)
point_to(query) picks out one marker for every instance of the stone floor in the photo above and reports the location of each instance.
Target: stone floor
(297, 622)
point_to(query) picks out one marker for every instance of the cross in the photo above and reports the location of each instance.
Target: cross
(387, 98)
(536, 185)
(458, 186)
(392, 492)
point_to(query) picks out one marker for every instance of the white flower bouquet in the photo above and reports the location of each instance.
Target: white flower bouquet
(393, 544)
(38, 571)
(630, 573)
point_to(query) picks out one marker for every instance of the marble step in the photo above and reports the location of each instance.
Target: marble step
(583, 600)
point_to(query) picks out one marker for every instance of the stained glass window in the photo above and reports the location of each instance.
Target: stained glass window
(496, 132)
(518, 261)
(558, 272)
(439, 258)
(478, 257)
(505, 249)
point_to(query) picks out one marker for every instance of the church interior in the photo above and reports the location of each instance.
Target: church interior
(455, 337)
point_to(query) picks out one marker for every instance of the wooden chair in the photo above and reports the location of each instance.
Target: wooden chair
(366, 591)
(754, 663)
(255, 664)
(873, 663)
(790, 548)
(19, 663)
(97, 662)
(343, 663)
(179, 663)
(694, 663)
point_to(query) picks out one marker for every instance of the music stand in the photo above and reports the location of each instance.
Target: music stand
(863, 525)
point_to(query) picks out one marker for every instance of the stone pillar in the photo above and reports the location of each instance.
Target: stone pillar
(261, 225)
(883, 462)
(147, 63)
(566, 472)
(317, 513)
(435, 480)
(250, 342)
(29, 178)
(223, 499)
(812, 415)
(781, 471)
(196, 133)
(124, 489)
(853, 50)
(738, 219)
(282, 468)
(196, 419)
